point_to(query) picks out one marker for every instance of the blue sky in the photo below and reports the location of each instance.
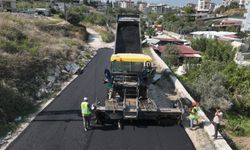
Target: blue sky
(179, 2)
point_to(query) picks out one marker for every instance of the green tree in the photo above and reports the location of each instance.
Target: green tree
(212, 91)
(150, 32)
(199, 44)
(12, 104)
(143, 28)
(152, 16)
(170, 17)
(128, 11)
(233, 5)
(189, 10)
(107, 36)
(221, 9)
(219, 51)
(76, 14)
(97, 19)
(170, 55)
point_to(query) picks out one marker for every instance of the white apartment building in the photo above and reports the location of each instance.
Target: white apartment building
(126, 4)
(141, 5)
(159, 8)
(246, 22)
(204, 5)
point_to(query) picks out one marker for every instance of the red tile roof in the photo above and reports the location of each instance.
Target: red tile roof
(231, 22)
(183, 51)
(232, 36)
(186, 50)
(169, 40)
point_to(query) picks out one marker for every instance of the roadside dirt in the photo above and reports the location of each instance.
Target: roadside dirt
(243, 143)
(163, 93)
(166, 89)
(95, 40)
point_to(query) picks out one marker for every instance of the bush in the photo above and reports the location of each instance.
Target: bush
(61, 15)
(97, 19)
(208, 78)
(199, 44)
(74, 18)
(28, 5)
(30, 54)
(12, 104)
(107, 36)
(171, 55)
(150, 32)
(15, 41)
(76, 14)
(54, 11)
(213, 92)
(237, 124)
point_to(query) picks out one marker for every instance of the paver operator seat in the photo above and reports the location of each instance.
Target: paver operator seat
(130, 72)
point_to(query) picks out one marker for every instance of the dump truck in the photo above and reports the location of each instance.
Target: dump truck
(129, 79)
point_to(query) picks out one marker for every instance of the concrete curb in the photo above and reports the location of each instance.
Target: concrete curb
(31, 117)
(219, 143)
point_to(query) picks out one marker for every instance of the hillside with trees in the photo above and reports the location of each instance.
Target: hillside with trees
(216, 81)
(36, 54)
(231, 10)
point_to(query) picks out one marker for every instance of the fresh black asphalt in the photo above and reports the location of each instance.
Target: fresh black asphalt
(59, 126)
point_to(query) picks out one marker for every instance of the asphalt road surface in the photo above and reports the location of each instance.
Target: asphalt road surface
(59, 126)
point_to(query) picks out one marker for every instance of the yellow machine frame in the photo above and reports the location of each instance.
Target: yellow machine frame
(130, 57)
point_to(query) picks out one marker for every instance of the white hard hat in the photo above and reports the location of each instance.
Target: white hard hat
(85, 99)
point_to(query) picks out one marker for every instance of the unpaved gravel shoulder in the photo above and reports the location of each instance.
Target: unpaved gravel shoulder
(166, 89)
(95, 40)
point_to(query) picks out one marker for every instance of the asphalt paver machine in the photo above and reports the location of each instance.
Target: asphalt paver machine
(128, 81)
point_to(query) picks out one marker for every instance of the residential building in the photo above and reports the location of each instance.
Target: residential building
(204, 6)
(141, 5)
(225, 23)
(182, 51)
(125, 3)
(242, 57)
(212, 6)
(158, 9)
(221, 35)
(7, 5)
(102, 7)
(246, 23)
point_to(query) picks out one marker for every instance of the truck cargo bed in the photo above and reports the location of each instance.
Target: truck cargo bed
(128, 35)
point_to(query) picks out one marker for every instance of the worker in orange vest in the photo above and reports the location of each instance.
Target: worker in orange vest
(193, 116)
